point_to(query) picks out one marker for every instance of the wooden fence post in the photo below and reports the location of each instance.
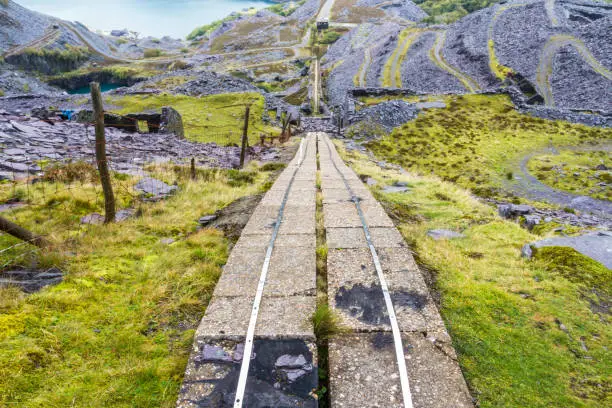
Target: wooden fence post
(21, 233)
(109, 197)
(245, 135)
(193, 169)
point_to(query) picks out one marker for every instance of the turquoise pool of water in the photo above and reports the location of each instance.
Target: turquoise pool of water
(85, 90)
(157, 18)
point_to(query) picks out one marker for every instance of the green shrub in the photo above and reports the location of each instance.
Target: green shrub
(152, 53)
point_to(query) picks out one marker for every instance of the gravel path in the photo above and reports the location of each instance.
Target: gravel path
(530, 187)
(545, 67)
(438, 58)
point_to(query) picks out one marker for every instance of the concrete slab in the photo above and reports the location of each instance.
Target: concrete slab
(289, 240)
(341, 215)
(298, 220)
(292, 272)
(213, 369)
(387, 238)
(346, 238)
(362, 307)
(375, 215)
(347, 266)
(355, 377)
(279, 317)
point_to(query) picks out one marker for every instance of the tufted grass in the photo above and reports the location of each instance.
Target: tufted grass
(524, 330)
(118, 331)
(214, 118)
(477, 140)
(575, 172)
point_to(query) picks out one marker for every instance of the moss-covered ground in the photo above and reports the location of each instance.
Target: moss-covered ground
(118, 330)
(524, 331)
(477, 141)
(214, 118)
(576, 172)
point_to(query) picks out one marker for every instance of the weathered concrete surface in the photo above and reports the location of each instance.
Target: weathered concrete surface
(283, 372)
(363, 365)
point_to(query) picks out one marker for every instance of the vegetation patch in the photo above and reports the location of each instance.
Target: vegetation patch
(584, 173)
(501, 71)
(119, 329)
(447, 11)
(477, 140)
(524, 333)
(214, 118)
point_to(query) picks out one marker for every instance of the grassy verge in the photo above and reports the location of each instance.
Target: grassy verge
(576, 172)
(118, 331)
(526, 332)
(477, 140)
(211, 118)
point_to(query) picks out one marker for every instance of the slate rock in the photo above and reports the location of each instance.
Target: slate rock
(93, 219)
(514, 210)
(597, 245)
(154, 188)
(207, 219)
(441, 234)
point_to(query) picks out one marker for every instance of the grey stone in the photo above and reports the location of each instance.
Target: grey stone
(93, 219)
(514, 210)
(205, 220)
(441, 234)
(167, 241)
(597, 245)
(395, 189)
(531, 221)
(155, 189)
(527, 251)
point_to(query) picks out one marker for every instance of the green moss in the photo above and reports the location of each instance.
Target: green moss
(575, 267)
(477, 140)
(214, 118)
(501, 71)
(502, 311)
(209, 28)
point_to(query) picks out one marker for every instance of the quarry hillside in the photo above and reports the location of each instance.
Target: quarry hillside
(313, 203)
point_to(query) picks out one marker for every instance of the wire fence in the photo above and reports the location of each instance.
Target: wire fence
(49, 176)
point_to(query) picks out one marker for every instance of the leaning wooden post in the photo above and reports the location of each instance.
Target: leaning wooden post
(245, 135)
(193, 169)
(109, 197)
(21, 233)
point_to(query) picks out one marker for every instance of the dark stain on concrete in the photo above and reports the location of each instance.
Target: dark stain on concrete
(364, 303)
(367, 304)
(411, 299)
(281, 374)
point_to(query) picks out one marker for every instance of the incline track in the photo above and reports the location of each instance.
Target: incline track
(262, 305)
(392, 355)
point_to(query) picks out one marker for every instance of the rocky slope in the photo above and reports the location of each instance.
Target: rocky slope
(563, 49)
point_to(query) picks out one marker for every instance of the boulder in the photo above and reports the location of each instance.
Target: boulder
(514, 210)
(441, 234)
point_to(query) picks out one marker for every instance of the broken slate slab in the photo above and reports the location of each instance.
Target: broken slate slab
(207, 219)
(31, 281)
(441, 234)
(398, 187)
(154, 189)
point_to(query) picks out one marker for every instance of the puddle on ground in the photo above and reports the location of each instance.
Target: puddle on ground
(282, 374)
(367, 304)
